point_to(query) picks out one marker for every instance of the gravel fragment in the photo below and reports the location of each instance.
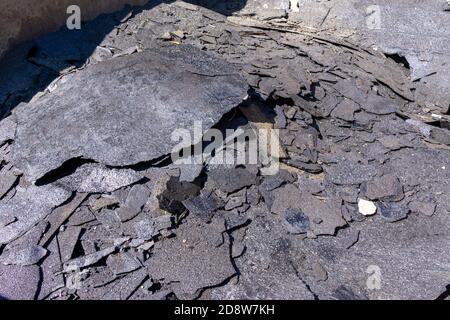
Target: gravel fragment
(366, 208)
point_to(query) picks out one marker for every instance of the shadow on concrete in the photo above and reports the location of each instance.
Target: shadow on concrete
(30, 67)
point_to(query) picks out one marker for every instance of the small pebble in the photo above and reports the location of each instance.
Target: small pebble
(392, 212)
(366, 208)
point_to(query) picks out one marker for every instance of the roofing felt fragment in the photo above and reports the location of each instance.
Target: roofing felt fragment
(379, 105)
(123, 288)
(29, 205)
(426, 207)
(127, 109)
(189, 172)
(358, 136)
(51, 276)
(95, 178)
(391, 142)
(413, 251)
(266, 271)
(67, 240)
(236, 199)
(61, 214)
(345, 110)
(7, 180)
(231, 179)
(171, 199)
(203, 205)
(350, 172)
(93, 258)
(387, 188)
(25, 256)
(103, 201)
(143, 227)
(136, 199)
(5, 154)
(192, 260)
(18, 282)
(123, 262)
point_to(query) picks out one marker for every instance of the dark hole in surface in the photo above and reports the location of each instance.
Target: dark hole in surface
(445, 295)
(399, 59)
(67, 168)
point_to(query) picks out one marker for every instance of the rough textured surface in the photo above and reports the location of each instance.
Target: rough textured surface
(95, 178)
(29, 206)
(19, 283)
(324, 214)
(393, 29)
(265, 269)
(26, 256)
(7, 130)
(352, 126)
(197, 258)
(412, 257)
(120, 90)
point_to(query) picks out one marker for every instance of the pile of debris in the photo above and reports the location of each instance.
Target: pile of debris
(92, 205)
